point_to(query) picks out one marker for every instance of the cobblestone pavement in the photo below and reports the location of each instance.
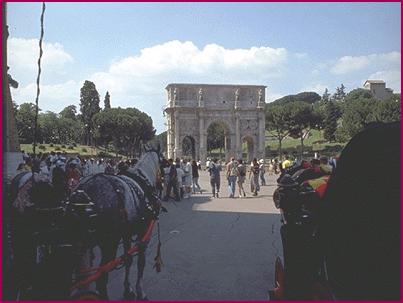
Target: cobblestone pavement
(213, 249)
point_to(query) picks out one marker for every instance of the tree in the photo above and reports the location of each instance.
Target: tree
(330, 121)
(326, 96)
(359, 104)
(340, 93)
(69, 112)
(25, 120)
(89, 106)
(215, 137)
(107, 101)
(307, 97)
(126, 128)
(49, 123)
(160, 139)
(279, 122)
(303, 119)
(58, 129)
(386, 111)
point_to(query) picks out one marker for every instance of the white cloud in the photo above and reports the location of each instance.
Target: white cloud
(52, 97)
(140, 80)
(185, 57)
(348, 64)
(23, 57)
(391, 77)
(393, 57)
(300, 55)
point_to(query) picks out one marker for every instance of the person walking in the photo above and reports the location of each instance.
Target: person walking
(241, 170)
(214, 170)
(254, 170)
(172, 182)
(187, 178)
(232, 173)
(262, 171)
(195, 177)
(180, 173)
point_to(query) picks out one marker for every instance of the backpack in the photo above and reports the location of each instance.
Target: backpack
(172, 173)
(214, 172)
(233, 170)
(242, 170)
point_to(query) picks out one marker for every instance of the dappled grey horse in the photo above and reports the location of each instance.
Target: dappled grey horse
(123, 204)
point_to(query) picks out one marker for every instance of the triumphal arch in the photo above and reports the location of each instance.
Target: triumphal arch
(192, 108)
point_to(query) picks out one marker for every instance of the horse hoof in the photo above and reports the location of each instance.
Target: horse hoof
(129, 295)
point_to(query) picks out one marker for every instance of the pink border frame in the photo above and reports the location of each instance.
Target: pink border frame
(1, 127)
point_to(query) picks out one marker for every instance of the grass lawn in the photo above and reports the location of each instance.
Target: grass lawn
(315, 140)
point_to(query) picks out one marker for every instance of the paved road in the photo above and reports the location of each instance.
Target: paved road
(213, 249)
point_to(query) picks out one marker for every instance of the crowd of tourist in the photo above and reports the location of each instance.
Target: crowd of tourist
(235, 173)
(178, 179)
(59, 165)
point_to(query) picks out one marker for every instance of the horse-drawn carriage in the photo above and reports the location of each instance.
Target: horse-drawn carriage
(344, 243)
(51, 241)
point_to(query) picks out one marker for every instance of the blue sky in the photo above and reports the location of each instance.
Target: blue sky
(134, 50)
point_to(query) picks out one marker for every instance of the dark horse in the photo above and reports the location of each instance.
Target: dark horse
(360, 224)
(49, 236)
(37, 242)
(350, 250)
(123, 204)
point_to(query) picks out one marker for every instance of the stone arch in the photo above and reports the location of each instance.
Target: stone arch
(192, 108)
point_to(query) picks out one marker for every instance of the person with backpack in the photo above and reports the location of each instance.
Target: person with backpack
(241, 169)
(172, 181)
(214, 170)
(232, 174)
(254, 182)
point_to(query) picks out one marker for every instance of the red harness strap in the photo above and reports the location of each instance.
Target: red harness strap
(116, 262)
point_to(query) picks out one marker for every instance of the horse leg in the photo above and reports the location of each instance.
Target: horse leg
(128, 291)
(141, 262)
(108, 252)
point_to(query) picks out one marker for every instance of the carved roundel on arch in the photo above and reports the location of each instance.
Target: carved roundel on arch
(189, 128)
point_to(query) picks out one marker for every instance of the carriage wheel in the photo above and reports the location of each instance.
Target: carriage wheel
(86, 295)
(279, 280)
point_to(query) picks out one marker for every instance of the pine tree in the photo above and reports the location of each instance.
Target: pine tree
(330, 121)
(326, 96)
(89, 106)
(107, 101)
(340, 93)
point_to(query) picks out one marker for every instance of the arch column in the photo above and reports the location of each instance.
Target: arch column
(232, 148)
(238, 145)
(261, 135)
(202, 139)
(177, 149)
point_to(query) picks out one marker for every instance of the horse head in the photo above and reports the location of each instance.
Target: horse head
(148, 166)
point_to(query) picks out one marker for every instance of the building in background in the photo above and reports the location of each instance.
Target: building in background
(378, 89)
(192, 108)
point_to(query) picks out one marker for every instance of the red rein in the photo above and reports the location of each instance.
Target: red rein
(116, 262)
